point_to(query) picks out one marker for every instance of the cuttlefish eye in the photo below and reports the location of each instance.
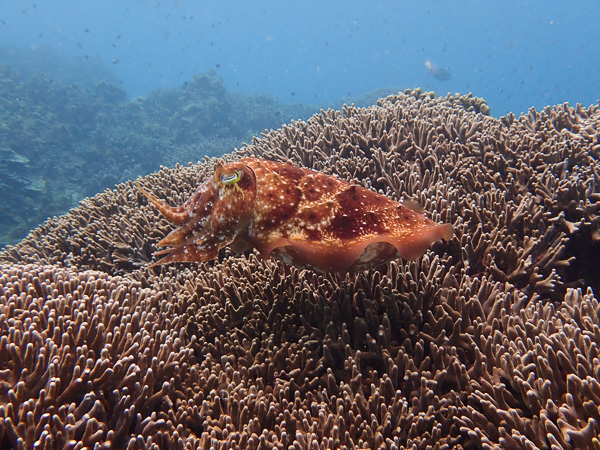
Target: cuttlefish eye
(231, 178)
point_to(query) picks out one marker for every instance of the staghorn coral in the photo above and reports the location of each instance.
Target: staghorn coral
(488, 341)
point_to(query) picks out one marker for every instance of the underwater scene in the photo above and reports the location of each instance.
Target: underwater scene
(288, 225)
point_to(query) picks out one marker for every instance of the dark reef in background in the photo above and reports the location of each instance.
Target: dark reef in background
(85, 70)
(61, 140)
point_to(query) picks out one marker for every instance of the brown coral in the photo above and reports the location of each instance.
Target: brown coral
(487, 341)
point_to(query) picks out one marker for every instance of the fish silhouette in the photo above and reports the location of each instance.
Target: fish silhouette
(437, 72)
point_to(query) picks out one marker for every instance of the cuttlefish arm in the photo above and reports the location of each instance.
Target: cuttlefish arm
(216, 214)
(177, 215)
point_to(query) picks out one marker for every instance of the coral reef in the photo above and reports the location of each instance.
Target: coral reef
(61, 142)
(488, 341)
(30, 61)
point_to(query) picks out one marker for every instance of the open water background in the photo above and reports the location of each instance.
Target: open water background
(515, 54)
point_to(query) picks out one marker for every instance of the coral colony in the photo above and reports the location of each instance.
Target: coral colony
(488, 340)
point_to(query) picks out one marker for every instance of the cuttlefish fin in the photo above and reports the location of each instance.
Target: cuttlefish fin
(415, 246)
(177, 215)
(414, 205)
(336, 257)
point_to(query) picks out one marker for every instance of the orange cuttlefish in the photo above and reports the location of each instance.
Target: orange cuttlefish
(303, 217)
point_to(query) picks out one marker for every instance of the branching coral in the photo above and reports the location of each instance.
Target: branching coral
(487, 341)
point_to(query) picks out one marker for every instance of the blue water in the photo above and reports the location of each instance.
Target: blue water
(515, 54)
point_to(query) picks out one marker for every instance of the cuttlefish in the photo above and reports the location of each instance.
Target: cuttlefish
(305, 218)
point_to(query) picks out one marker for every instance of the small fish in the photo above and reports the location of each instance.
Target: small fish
(305, 218)
(439, 73)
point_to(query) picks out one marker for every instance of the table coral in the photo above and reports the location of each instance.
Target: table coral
(487, 341)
